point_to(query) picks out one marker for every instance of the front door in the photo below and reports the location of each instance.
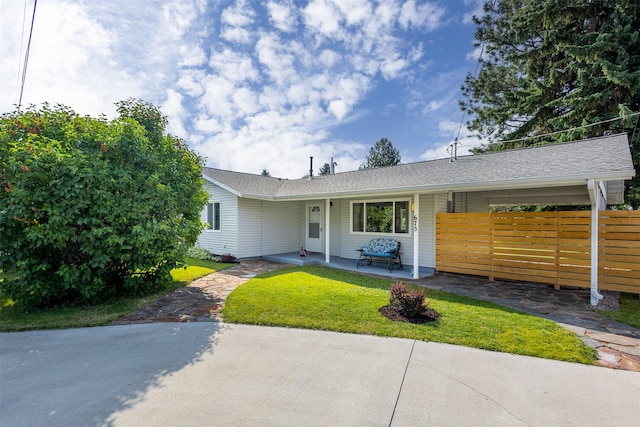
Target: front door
(315, 226)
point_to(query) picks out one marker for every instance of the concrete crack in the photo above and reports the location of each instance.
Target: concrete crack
(406, 368)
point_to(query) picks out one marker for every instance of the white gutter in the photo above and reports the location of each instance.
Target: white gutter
(594, 194)
(523, 183)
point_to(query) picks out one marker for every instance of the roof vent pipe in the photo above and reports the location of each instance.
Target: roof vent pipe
(453, 150)
(310, 167)
(332, 167)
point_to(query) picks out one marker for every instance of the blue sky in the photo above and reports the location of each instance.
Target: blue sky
(256, 84)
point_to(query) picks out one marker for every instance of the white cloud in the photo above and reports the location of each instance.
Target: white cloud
(177, 18)
(474, 54)
(478, 11)
(233, 66)
(392, 68)
(251, 85)
(235, 20)
(72, 60)
(239, 15)
(355, 12)
(282, 16)
(192, 56)
(426, 15)
(89, 55)
(328, 58)
(191, 82)
(236, 34)
(338, 108)
(446, 149)
(323, 16)
(173, 107)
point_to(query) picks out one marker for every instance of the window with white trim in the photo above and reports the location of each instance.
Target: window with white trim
(387, 217)
(213, 216)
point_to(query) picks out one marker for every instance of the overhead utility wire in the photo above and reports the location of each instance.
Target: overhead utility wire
(456, 142)
(26, 54)
(24, 18)
(569, 130)
(475, 74)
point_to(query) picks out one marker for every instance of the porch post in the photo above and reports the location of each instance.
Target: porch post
(596, 199)
(416, 235)
(327, 231)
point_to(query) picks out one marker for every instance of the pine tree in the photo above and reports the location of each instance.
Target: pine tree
(325, 169)
(556, 65)
(383, 153)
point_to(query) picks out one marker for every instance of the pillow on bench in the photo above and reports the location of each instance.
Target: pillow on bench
(380, 247)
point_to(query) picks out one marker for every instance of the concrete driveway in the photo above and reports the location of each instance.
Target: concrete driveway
(219, 374)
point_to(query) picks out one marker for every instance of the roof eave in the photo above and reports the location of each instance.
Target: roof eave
(469, 187)
(222, 185)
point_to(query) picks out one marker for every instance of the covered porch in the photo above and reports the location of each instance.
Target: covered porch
(377, 268)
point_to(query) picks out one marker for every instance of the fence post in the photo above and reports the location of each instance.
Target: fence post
(556, 286)
(491, 276)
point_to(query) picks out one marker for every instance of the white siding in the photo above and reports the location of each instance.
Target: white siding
(427, 224)
(249, 228)
(226, 240)
(477, 202)
(267, 228)
(279, 231)
(440, 203)
(464, 202)
(336, 220)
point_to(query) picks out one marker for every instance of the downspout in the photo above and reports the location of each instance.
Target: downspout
(594, 194)
(415, 208)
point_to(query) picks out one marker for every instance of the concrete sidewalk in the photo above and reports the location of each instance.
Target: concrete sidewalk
(211, 373)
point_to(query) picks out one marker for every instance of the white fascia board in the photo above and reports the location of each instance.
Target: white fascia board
(443, 188)
(221, 185)
(465, 187)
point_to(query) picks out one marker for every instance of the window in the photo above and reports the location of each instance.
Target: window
(390, 217)
(213, 216)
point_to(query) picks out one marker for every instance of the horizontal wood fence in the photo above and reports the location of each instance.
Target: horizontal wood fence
(544, 247)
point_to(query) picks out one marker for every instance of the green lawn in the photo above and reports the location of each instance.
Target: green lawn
(12, 319)
(629, 312)
(328, 299)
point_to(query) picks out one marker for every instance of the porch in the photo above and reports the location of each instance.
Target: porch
(377, 268)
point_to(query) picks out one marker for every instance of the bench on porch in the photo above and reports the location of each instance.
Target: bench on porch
(381, 248)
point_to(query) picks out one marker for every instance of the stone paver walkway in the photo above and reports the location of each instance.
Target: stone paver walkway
(617, 344)
(203, 299)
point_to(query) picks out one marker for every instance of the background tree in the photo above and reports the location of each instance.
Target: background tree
(92, 209)
(383, 153)
(556, 65)
(265, 173)
(325, 169)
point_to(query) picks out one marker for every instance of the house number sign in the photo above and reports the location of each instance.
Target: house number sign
(415, 223)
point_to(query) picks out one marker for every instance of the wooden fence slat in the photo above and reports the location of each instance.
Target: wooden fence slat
(547, 247)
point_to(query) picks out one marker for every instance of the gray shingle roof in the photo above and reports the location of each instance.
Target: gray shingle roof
(606, 158)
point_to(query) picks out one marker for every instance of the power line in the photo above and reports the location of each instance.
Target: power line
(454, 145)
(569, 130)
(26, 54)
(475, 74)
(24, 18)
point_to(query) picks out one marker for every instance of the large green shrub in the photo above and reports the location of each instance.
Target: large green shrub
(92, 208)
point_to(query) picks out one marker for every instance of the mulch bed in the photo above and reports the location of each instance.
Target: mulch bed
(425, 316)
